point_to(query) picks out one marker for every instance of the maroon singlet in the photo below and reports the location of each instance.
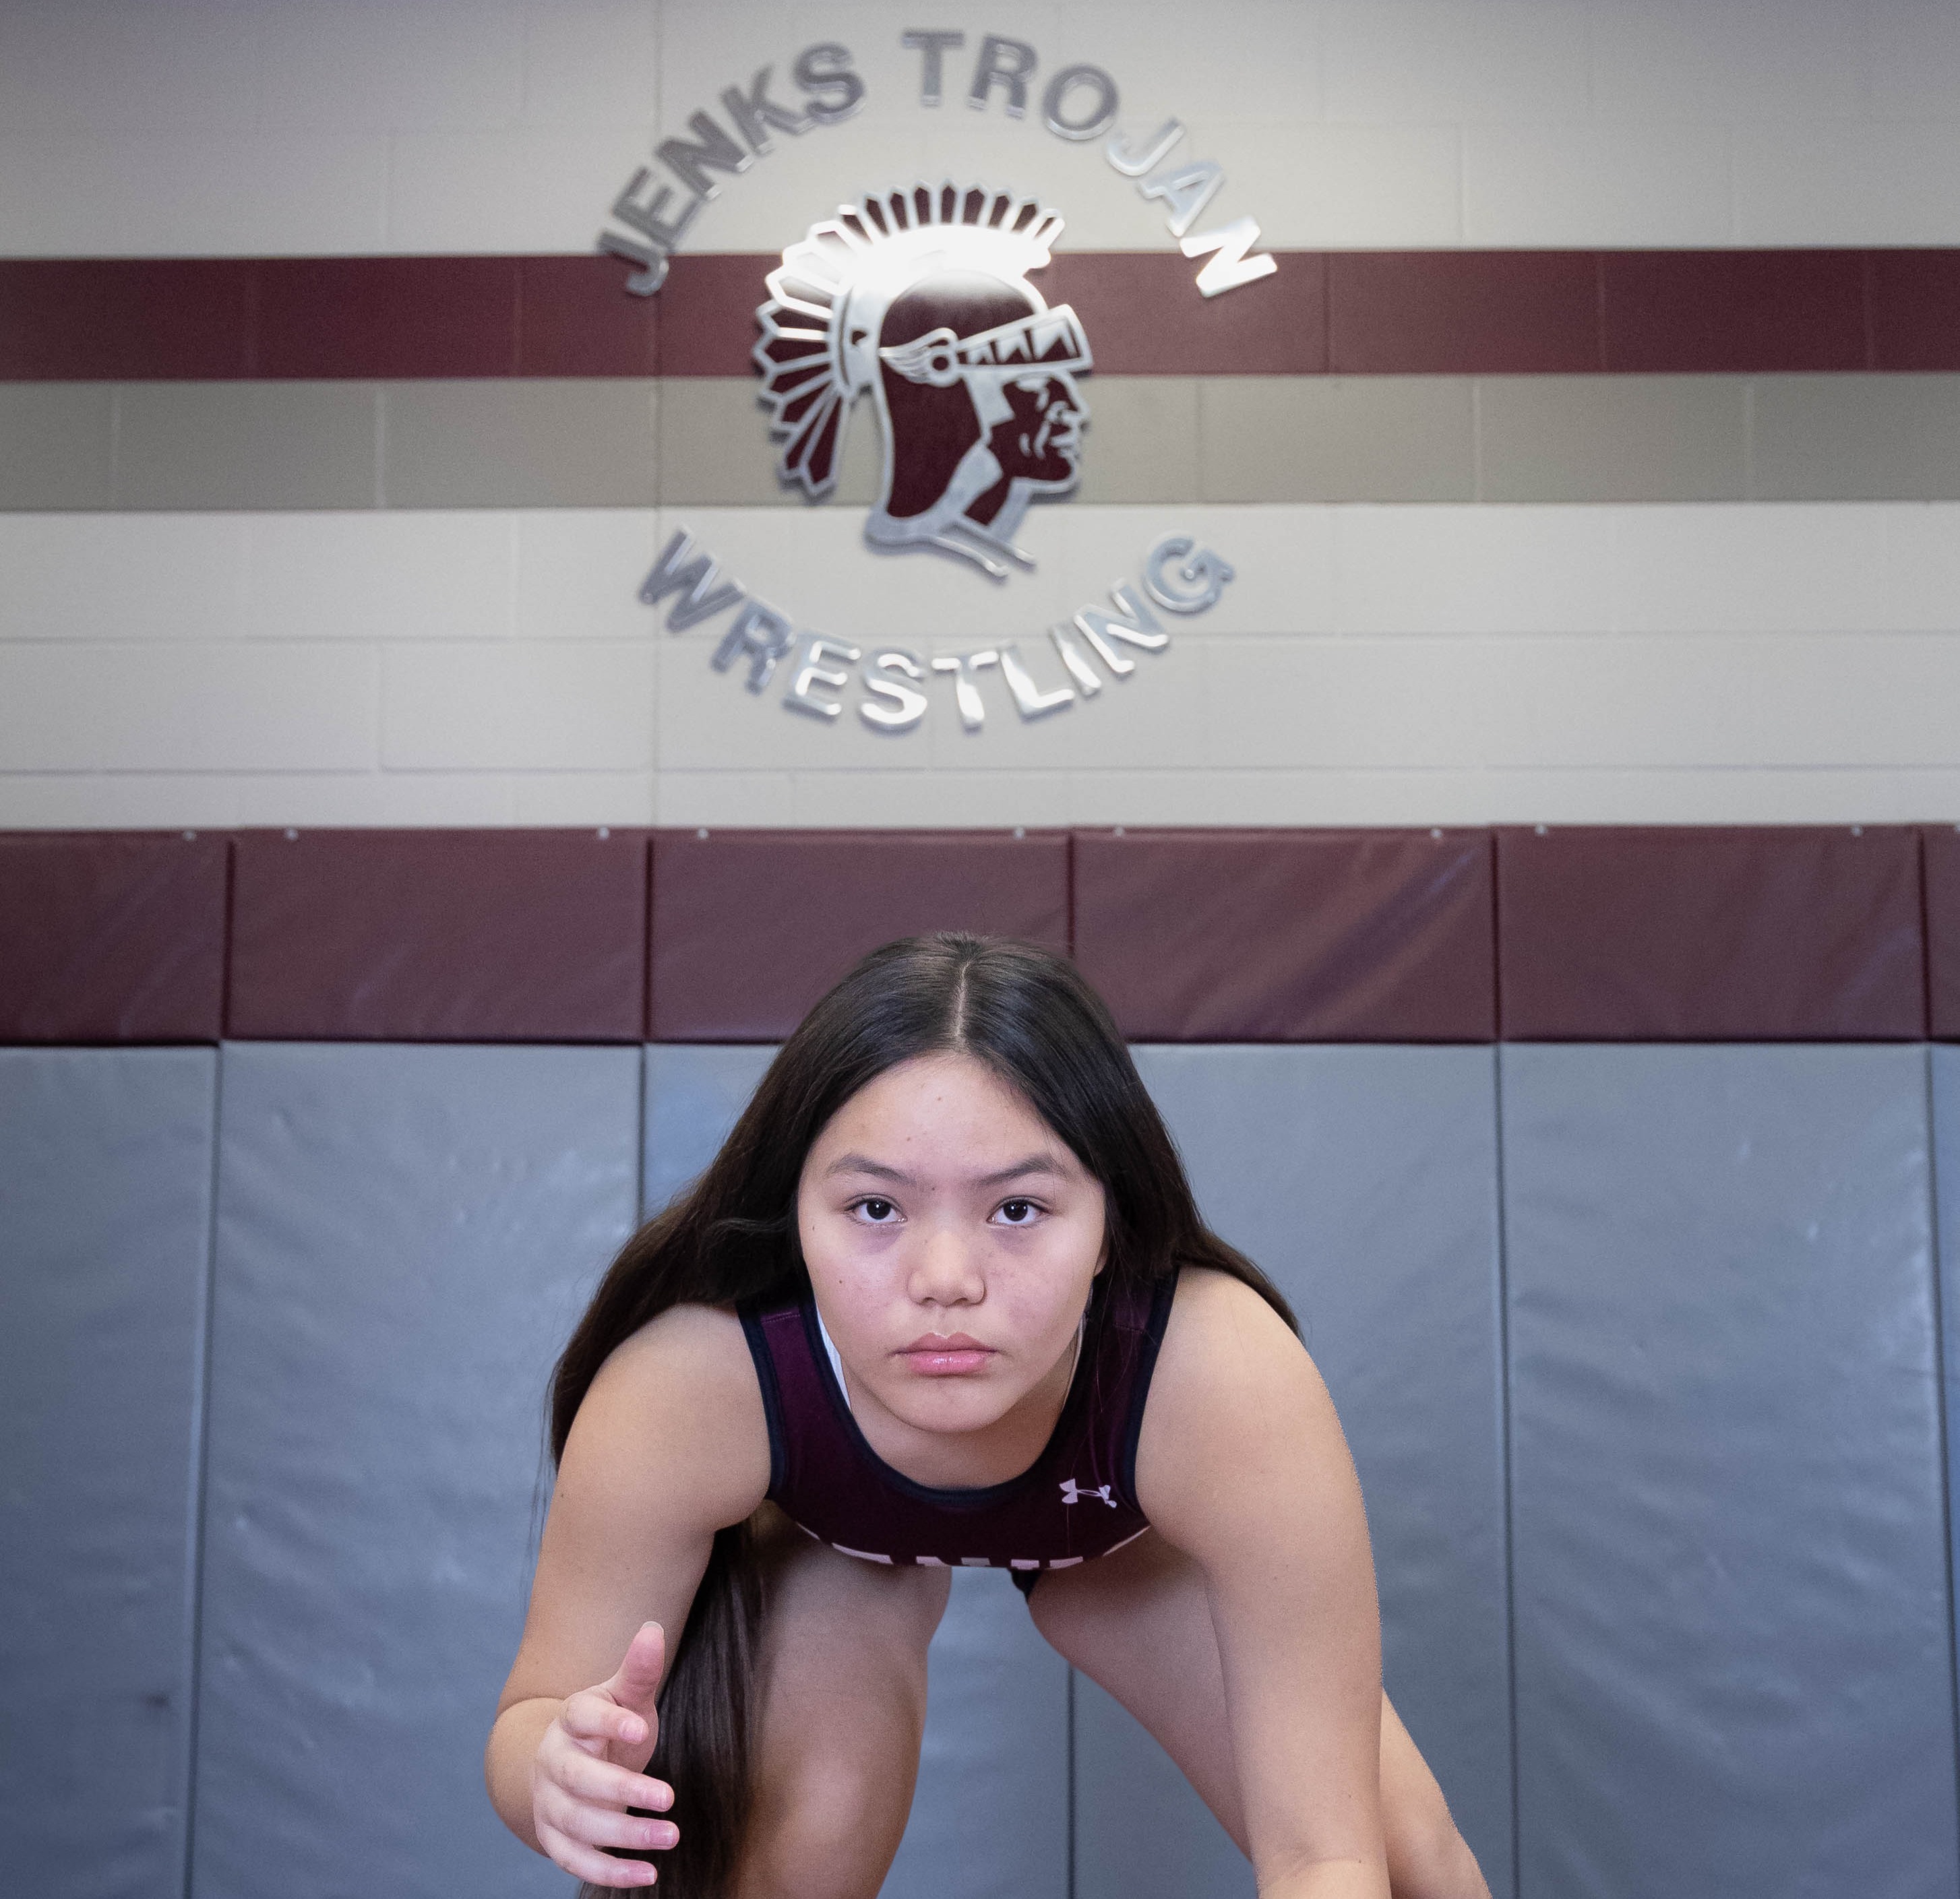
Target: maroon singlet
(1078, 1500)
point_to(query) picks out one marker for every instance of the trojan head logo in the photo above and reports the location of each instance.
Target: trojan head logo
(921, 298)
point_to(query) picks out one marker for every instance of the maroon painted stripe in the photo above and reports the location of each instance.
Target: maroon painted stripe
(1737, 310)
(1346, 312)
(1463, 313)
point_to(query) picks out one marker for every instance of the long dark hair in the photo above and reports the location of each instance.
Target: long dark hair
(1028, 1014)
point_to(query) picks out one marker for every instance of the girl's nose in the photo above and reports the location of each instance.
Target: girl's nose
(947, 1271)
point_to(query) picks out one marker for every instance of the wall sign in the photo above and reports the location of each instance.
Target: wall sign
(918, 304)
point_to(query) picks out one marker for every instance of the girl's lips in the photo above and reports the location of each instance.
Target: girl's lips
(938, 1357)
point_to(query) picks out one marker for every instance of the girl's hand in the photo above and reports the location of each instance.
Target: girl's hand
(590, 1769)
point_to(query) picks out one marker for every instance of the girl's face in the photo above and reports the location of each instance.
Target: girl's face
(951, 1237)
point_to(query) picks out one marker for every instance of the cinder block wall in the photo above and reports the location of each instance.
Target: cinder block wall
(1589, 458)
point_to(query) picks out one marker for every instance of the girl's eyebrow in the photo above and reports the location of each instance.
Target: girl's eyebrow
(1034, 1164)
(862, 1164)
(1020, 1169)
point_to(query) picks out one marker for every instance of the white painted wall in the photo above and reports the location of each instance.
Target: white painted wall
(1751, 663)
(1373, 665)
(196, 127)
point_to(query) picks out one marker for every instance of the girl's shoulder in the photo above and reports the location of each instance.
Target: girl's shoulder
(1229, 1365)
(685, 1340)
(680, 1394)
(1237, 1416)
(690, 1359)
(1214, 1314)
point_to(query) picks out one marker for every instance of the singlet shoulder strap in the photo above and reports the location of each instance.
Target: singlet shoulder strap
(1132, 1328)
(759, 1321)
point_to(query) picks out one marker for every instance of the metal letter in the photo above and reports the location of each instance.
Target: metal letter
(1030, 700)
(1059, 87)
(932, 48)
(811, 671)
(1002, 61)
(754, 111)
(653, 263)
(906, 707)
(1132, 163)
(1187, 192)
(1133, 623)
(689, 160)
(1203, 572)
(1079, 670)
(826, 67)
(1231, 267)
(662, 233)
(679, 570)
(761, 632)
(966, 694)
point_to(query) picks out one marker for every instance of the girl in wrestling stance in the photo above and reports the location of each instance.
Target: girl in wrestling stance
(943, 1297)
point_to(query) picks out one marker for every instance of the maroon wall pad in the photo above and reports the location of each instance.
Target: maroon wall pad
(107, 938)
(1288, 936)
(751, 927)
(1714, 934)
(1943, 929)
(439, 936)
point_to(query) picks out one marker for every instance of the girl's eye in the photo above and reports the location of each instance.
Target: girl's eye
(879, 1212)
(1019, 1212)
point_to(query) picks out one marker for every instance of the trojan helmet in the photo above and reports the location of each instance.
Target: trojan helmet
(921, 297)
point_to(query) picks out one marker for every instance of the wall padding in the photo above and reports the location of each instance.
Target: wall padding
(105, 1205)
(796, 909)
(1733, 1672)
(1363, 1180)
(1947, 1180)
(439, 936)
(405, 1235)
(1730, 933)
(1941, 845)
(694, 1094)
(112, 938)
(1273, 936)
(991, 1815)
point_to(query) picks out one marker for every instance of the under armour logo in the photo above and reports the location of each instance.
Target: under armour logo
(1072, 1492)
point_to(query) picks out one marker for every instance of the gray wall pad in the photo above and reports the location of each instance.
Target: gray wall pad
(406, 1235)
(1945, 1093)
(105, 1194)
(694, 1093)
(1732, 1604)
(1140, 1832)
(1363, 1180)
(991, 1815)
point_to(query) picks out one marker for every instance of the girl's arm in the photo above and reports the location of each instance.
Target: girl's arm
(1242, 1464)
(671, 1445)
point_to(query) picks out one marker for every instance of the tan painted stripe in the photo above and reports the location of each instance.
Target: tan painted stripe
(700, 441)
